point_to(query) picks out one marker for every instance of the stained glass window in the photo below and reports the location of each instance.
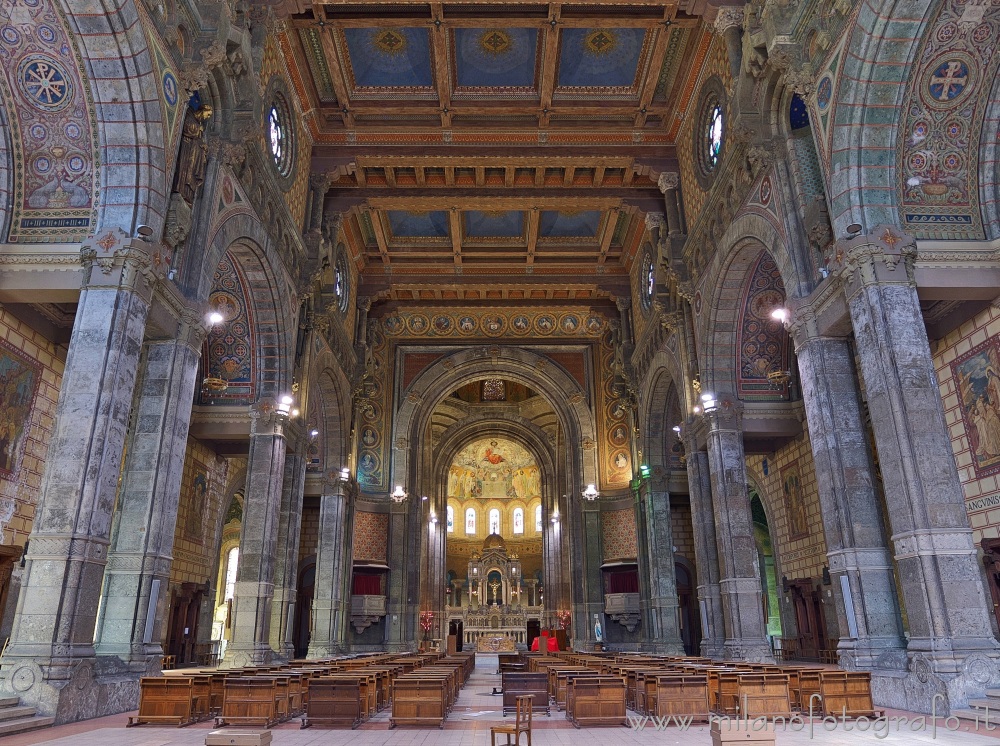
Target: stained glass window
(278, 135)
(518, 521)
(232, 561)
(451, 520)
(713, 136)
(494, 521)
(538, 518)
(470, 521)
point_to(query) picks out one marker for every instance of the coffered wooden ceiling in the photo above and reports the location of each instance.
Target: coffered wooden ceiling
(473, 145)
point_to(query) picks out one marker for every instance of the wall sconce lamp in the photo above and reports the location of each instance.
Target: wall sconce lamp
(709, 403)
(399, 494)
(284, 405)
(590, 493)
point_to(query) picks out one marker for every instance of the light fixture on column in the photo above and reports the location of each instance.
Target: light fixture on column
(314, 433)
(215, 318)
(345, 475)
(708, 402)
(590, 493)
(284, 405)
(399, 494)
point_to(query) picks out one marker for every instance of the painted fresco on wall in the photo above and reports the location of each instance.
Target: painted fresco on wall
(19, 377)
(494, 468)
(194, 525)
(977, 379)
(228, 349)
(763, 341)
(795, 504)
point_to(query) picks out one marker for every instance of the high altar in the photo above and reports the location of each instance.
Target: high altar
(496, 612)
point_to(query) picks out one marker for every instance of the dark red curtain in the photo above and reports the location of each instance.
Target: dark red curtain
(623, 582)
(367, 585)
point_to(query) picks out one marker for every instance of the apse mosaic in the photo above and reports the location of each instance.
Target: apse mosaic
(762, 341)
(431, 224)
(493, 323)
(977, 381)
(229, 345)
(493, 468)
(943, 119)
(389, 58)
(53, 134)
(504, 58)
(19, 377)
(601, 58)
(556, 224)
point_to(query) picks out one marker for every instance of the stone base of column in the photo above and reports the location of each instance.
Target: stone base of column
(871, 653)
(751, 651)
(713, 647)
(402, 647)
(241, 656)
(92, 687)
(324, 650)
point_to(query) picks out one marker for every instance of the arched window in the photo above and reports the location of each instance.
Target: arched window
(232, 561)
(451, 520)
(470, 521)
(518, 520)
(494, 521)
(538, 518)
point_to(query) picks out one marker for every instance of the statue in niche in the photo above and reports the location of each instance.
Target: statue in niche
(598, 631)
(193, 156)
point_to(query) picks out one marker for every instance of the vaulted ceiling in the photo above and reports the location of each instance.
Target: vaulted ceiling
(508, 149)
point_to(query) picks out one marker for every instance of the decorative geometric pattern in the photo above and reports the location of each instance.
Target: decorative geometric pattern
(373, 450)
(942, 121)
(595, 59)
(762, 342)
(371, 536)
(495, 58)
(619, 535)
(977, 383)
(613, 415)
(493, 323)
(229, 346)
(19, 376)
(389, 58)
(54, 138)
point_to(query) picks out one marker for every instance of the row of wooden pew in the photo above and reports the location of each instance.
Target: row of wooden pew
(682, 687)
(338, 692)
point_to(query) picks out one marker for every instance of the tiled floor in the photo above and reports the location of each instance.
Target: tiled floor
(477, 709)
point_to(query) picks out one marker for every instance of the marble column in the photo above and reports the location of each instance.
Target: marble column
(143, 536)
(286, 565)
(250, 642)
(401, 631)
(729, 22)
(739, 575)
(859, 558)
(51, 651)
(657, 564)
(946, 608)
(332, 600)
(669, 184)
(706, 553)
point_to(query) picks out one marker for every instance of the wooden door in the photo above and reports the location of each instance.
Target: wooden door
(991, 558)
(302, 630)
(808, 618)
(185, 613)
(687, 608)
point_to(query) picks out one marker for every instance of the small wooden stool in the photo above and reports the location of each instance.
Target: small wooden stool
(522, 723)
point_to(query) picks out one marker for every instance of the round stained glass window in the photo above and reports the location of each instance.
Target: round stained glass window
(713, 136)
(279, 135)
(340, 283)
(648, 280)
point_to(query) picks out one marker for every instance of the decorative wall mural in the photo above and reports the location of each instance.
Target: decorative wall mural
(601, 58)
(613, 421)
(494, 468)
(53, 132)
(373, 412)
(619, 535)
(795, 504)
(19, 376)
(194, 526)
(229, 347)
(942, 121)
(977, 381)
(371, 535)
(492, 58)
(762, 342)
(388, 58)
(493, 324)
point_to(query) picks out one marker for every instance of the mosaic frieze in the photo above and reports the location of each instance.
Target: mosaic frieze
(373, 451)
(977, 382)
(614, 448)
(494, 323)
(52, 125)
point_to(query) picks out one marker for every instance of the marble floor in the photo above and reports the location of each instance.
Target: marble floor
(477, 709)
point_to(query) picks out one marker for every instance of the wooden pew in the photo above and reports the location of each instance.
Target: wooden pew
(682, 695)
(562, 678)
(847, 693)
(596, 700)
(333, 702)
(763, 695)
(518, 684)
(250, 700)
(170, 701)
(419, 700)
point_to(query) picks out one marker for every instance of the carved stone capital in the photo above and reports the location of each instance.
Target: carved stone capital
(655, 221)
(729, 17)
(668, 180)
(113, 260)
(725, 412)
(885, 256)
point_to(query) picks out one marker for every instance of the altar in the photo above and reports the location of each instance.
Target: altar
(496, 644)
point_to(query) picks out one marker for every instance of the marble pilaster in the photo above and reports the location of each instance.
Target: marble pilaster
(286, 567)
(331, 602)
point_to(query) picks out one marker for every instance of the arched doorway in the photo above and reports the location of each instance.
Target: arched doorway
(766, 563)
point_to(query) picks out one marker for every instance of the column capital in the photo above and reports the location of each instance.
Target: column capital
(623, 302)
(668, 181)
(114, 260)
(729, 17)
(885, 256)
(725, 412)
(265, 419)
(655, 221)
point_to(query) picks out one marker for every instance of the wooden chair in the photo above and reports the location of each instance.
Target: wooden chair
(522, 723)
